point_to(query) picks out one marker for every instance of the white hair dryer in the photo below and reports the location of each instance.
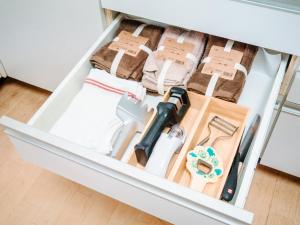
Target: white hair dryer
(164, 149)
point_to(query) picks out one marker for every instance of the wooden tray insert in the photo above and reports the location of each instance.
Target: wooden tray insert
(195, 123)
(226, 148)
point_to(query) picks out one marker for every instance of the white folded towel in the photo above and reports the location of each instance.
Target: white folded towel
(90, 120)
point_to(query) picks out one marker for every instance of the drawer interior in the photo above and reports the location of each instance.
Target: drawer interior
(262, 83)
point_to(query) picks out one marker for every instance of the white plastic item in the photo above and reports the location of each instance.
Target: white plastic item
(165, 147)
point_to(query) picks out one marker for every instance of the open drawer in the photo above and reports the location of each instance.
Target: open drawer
(157, 196)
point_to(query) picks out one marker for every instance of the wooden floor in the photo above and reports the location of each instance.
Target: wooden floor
(32, 196)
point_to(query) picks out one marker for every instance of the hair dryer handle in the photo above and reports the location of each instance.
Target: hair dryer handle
(144, 149)
(162, 153)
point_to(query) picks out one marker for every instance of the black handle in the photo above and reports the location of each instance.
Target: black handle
(246, 143)
(231, 182)
(164, 117)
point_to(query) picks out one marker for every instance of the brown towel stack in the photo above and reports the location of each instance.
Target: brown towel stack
(130, 67)
(229, 90)
(177, 73)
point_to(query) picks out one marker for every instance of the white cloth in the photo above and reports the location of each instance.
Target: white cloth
(90, 120)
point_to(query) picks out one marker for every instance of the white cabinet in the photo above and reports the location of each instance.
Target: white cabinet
(160, 197)
(282, 152)
(41, 41)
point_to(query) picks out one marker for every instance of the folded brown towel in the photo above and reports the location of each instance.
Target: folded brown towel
(177, 74)
(229, 90)
(130, 67)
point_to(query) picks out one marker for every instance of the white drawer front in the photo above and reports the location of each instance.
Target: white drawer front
(253, 24)
(128, 184)
(121, 181)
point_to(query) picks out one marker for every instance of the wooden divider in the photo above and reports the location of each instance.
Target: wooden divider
(195, 123)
